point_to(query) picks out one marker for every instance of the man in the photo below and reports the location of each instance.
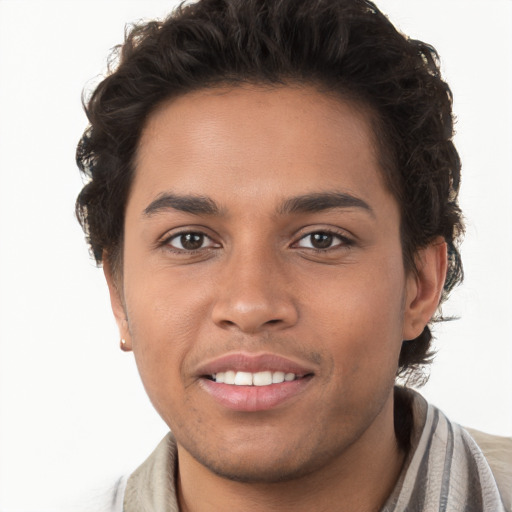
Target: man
(273, 197)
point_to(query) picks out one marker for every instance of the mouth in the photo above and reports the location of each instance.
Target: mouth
(261, 378)
(250, 383)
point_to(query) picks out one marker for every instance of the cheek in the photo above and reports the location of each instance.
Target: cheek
(163, 306)
(363, 321)
(164, 322)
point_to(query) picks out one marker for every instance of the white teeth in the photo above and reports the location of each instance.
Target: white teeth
(243, 379)
(264, 378)
(229, 377)
(277, 377)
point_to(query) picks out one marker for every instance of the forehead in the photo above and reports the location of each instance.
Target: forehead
(258, 142)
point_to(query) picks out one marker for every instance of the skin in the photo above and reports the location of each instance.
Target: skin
(257, 284)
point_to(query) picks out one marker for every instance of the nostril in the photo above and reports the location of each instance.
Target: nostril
(253, 315)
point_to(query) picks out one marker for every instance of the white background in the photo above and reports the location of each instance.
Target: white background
(72, 410)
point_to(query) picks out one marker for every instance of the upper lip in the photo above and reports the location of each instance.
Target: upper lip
(253, 363)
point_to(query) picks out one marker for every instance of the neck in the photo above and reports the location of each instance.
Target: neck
(360, 478)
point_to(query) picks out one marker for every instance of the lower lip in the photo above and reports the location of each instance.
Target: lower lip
(254, 398)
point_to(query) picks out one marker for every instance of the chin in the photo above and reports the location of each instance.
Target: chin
(251, 473)
(267, 466)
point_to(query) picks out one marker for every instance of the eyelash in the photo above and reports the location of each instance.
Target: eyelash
(344, 242)
(176, 236)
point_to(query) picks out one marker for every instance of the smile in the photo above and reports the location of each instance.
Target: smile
(262, 378)
(247, 382)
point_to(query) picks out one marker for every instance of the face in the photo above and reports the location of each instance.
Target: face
(263, 291)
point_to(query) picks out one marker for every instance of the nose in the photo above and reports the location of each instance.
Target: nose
(254, 295)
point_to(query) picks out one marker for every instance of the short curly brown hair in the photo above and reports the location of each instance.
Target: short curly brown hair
(343, 46)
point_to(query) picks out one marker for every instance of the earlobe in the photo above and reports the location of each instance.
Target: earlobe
(117, 304)
(424, 287)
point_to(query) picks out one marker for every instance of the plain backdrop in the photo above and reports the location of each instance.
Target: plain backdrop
(73, 414)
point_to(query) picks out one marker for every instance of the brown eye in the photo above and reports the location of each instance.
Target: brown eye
(190, 241)
(322, 240)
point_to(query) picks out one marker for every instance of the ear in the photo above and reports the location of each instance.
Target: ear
(424, 287)
(117, 303)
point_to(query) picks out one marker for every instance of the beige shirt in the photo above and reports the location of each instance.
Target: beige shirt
(447, 470)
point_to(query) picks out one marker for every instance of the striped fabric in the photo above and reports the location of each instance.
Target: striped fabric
(445, 472)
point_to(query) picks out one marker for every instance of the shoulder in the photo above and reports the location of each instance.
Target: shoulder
(107, 497)
(447, 463)
(150, 487)
(498, 452)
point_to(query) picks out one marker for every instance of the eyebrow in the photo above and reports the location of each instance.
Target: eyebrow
(197, 205)
(317, 202)
(307, 203)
